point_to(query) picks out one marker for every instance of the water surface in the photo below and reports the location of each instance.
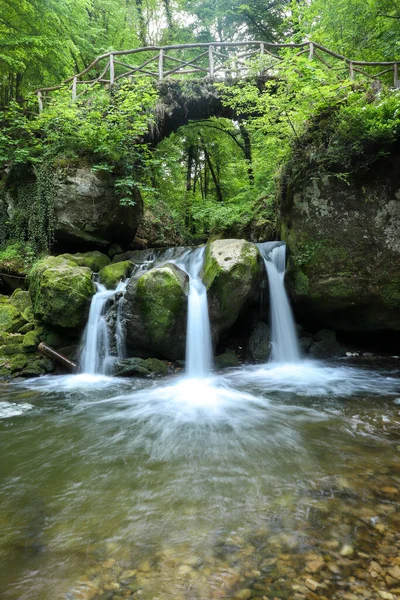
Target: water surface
(204, 488)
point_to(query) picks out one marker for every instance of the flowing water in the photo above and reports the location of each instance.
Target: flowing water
(234, 486)
(278, 481)
(285, 348)
(198, 336)
(95, 356)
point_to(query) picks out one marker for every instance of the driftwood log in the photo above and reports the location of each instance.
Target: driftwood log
(57, 357)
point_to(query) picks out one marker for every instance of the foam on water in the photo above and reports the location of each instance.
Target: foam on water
(314, 378)
(12, 409)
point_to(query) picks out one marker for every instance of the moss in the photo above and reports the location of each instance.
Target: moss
(31, 340)
(17, 362)
(29, 315)
(156, 366)
(93, 260)
(226, 360)
(111, 275)
(10, 318)
(230, 273)
(25, 328)
(301, 283)
(21, 300)
(160, 296)
(11, 344)
(390, 293)
(60, 292)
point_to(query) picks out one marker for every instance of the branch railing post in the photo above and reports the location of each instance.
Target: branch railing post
(40, 101)
(161, 65)
(351, 71)
(396, 82)
(311, 53)
(112, 70)
(211, 60)
(74, 82)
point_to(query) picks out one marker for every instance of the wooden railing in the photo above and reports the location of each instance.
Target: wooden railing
(215, 60)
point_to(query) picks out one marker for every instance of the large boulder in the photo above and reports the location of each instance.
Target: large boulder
(155, 311)
(232, 271)
(86, 211)
(344, 246)
(61, 291)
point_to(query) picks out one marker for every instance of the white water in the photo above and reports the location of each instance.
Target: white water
(198, 333)
(95, 356)
(285, 348)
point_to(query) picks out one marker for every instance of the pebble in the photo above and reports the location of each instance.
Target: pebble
(347, 550)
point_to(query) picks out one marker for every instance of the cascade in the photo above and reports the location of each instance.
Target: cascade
(285, 346)
(95, 357)
(198, 333)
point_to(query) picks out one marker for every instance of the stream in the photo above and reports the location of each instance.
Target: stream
(275, 481)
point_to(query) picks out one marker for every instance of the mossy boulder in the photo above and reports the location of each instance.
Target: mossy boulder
(21, 300)
(10, 344)
(61, 292)
(155, 310)
(111, 275)
(11, 318)
(343, 242)
(94, 260)
(232, 271)
(31, 340)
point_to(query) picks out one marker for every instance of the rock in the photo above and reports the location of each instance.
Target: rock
(111, 275)
(94, 260)
(231, 273)
(139, 367)
(226, 360)
(21, 300)
(394, 572)
(325, 334)
(259, 344)
(312, 585)
(31, 340)
(17, 362)
(61, 292)
(155, 311)
(87, 211)
(11, 344)
(327, 348)
(113, 250)
(347, 550)
(343, 244)
(10, 317)
(244, 594)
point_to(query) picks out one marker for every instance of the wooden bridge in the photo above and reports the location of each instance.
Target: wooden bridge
(216, 61)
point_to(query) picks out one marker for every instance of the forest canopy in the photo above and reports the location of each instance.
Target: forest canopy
(214, 175)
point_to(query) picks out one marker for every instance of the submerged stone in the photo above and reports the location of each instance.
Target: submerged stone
(139, 367)
(226, 360)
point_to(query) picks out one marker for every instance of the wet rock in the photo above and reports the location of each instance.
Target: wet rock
(231, 273)
(226, 360)
(139, 367)
(112, 274)
(326, 348)
(61, 292)
(155, 311)
(259, 344)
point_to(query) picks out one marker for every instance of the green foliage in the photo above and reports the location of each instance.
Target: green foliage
(17, 257)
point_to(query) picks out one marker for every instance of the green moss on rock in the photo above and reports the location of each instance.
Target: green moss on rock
(61, 292)
(17, 363)
(93, 260)
(231, 274)
(111, 275)
(10, 318)
(31, 340)
(161, 297)
(21, 300)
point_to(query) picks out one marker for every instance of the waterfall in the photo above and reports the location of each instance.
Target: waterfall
(95, 356)
(285, 346)
(198, 334)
